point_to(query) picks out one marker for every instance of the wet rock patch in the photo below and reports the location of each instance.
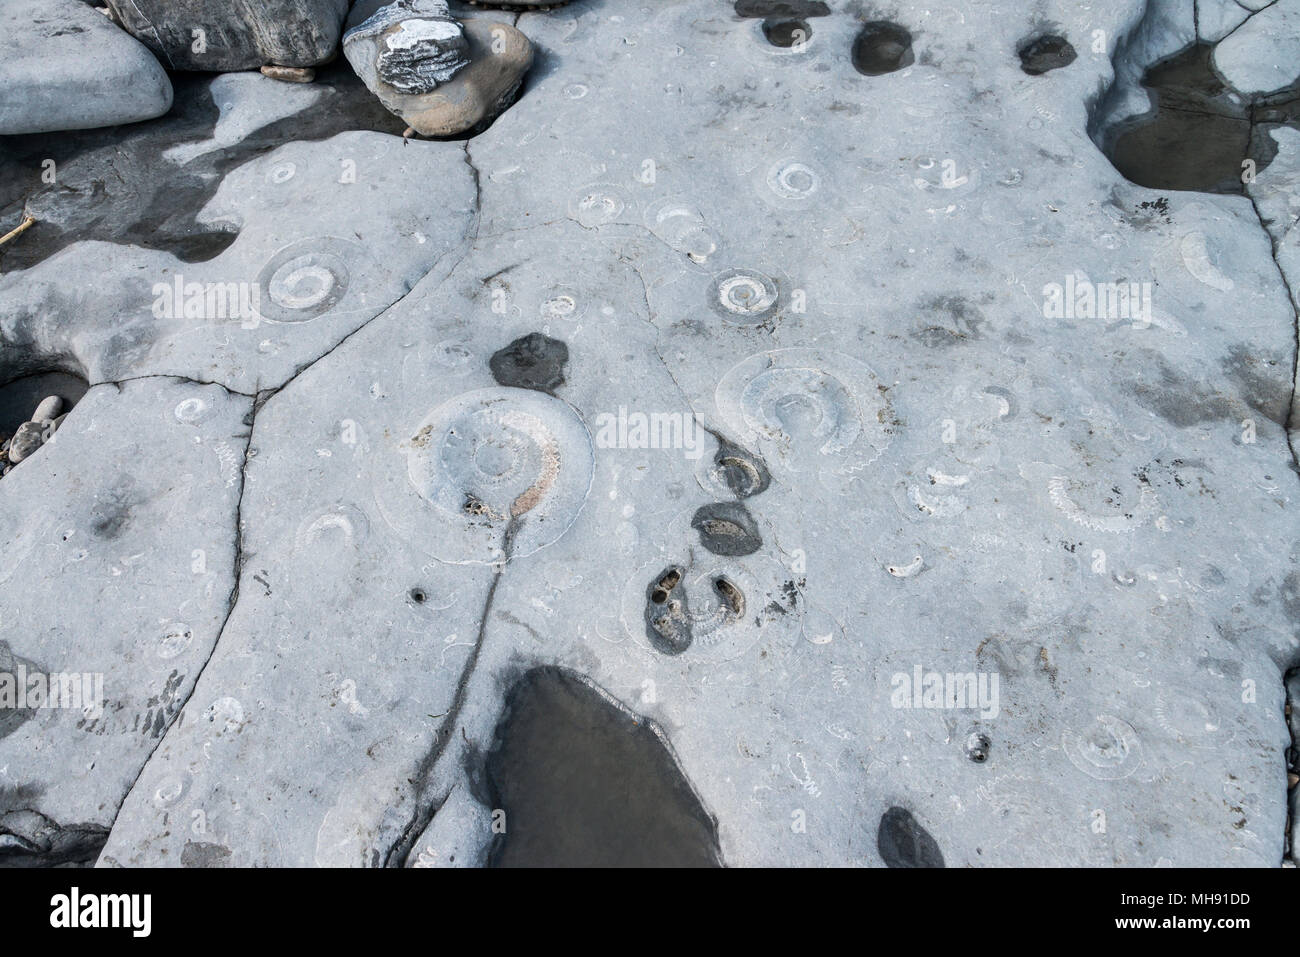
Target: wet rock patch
(117, 186)
(1200, 134)
(583, 782)
(534, 361)
(903, 842)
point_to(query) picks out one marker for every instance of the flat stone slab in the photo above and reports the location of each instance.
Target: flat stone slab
(80, 524)
(65, 66)
(759, 395)
(1263, 54)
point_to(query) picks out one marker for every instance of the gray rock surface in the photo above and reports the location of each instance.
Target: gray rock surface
(65, 66)
(153, 602)
(848, 280)
(218, 35)
(1263, 54)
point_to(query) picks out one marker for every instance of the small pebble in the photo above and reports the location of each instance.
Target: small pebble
(48, 410)
(289, 74)
(26, 440)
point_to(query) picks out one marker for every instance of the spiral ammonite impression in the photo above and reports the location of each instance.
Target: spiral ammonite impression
(1108, 748)
(306, 279)
(482, 461)
(744, 296)
(798, 405)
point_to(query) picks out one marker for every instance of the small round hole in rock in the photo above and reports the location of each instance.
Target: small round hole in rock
(978, 745)
(882, 47)
(417, 595)
(31, 408)
(786, 33)
(1041, 54)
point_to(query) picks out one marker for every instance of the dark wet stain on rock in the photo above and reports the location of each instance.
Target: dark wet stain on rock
(19, 398)
(585, 783)
(115, 184)
(667, 614)
(114, 510)
(786, 33)
(30, 839)
(1185, 402)
(1041, 54)
(744, 472)
(784, 9)
(1199, 133)
(532, 362)
(903, 842)
(13, 669)
(727, 528)
(948, 321)
(199, 854)
(882, 47)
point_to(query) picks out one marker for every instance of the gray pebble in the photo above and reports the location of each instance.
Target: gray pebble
(26, 440)
(48, 410)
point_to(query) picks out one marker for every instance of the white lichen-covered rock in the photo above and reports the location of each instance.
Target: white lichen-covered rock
(64, 66)
(411, 46)
(441, 77)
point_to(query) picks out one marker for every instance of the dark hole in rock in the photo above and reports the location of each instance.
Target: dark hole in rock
(903, 842)
(786, 33)
(417, 595)
(785, 9)
(586, 783)
(1198, 133)
(667, 615)
(978, 745)
(727, 528)
(32, 407)
(13, 669)
(882, 47)
(1041, 54)
(745, 473)
(532, 362)
(116, 185)
(20, 397)
(731, 595)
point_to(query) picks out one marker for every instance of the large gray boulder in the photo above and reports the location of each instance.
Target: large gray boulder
(63, 66)
(235, 34)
